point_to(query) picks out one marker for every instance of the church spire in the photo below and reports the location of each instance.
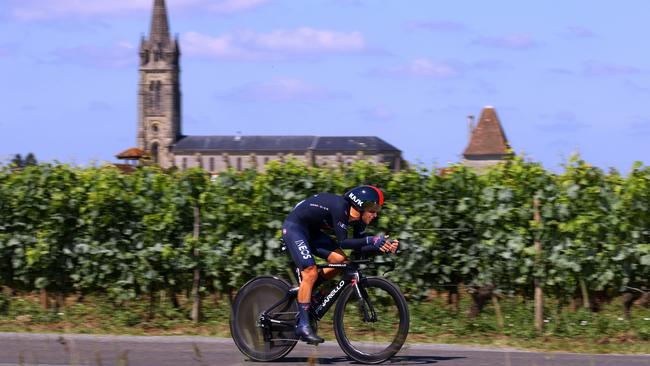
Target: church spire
(159, 32)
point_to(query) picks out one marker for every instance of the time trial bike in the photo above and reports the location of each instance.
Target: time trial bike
(371, 318)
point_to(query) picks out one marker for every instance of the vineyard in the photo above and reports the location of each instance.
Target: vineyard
(579, 235)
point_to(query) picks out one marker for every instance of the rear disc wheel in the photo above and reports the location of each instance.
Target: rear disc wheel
(255, 297)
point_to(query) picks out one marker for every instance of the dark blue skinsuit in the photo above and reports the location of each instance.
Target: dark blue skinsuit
(303, 235)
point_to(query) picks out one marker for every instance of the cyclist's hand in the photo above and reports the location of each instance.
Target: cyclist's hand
(390, 246)
(377, 241)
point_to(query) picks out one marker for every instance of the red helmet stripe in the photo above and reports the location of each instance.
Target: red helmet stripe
(381, 195)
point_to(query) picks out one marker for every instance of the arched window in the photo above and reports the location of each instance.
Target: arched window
(154, 152)
(150, 97)
(157, 97)
(153, 101)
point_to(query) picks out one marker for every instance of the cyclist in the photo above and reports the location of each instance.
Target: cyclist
(304, 238)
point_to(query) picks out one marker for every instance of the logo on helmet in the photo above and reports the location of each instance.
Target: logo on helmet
(355, 199)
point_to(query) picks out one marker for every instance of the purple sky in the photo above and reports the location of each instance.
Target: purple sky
(573, 77)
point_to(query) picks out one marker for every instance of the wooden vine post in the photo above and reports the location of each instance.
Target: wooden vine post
(44, 299)
(539, 293)
(196, 283)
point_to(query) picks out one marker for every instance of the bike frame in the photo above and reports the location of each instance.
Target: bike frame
(351, 277)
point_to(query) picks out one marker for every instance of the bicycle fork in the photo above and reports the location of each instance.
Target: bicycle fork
(368, 312)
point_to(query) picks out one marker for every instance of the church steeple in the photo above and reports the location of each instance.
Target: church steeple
(159, 107)
(159, 31)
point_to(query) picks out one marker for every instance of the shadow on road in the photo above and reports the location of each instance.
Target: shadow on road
(418, 360)
(399, 360)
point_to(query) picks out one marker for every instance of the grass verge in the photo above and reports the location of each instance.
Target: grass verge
(431, 322)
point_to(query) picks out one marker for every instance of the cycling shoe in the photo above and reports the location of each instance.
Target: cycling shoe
(305, 333)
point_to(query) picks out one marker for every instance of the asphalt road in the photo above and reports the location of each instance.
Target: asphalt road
(49, 349)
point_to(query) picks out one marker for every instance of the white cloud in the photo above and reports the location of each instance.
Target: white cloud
(52, 9)
(515, 41)
(275, 45)
(281, 90)
(423, 68)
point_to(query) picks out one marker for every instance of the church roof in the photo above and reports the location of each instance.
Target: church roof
(159, 31)
(352, 143)
(488, 138)
(317, 144)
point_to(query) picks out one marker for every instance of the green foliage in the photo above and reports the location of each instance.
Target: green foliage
(43, 205)
(587, 240)
(632, 212)
(96, 230)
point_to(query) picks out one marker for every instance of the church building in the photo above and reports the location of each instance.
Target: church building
(160, 139)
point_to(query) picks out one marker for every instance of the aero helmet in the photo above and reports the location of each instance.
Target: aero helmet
(365, 197)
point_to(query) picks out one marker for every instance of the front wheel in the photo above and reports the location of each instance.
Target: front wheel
(254, 339)
(374, 329)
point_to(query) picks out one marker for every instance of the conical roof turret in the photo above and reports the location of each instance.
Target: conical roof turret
(487, 137)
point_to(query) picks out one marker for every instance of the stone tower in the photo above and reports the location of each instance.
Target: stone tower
(159, 97)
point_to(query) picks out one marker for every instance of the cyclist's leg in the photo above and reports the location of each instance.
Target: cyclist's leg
(296, 239)
(336, 256)
(309, 276)
(297, 242)
(325, 247)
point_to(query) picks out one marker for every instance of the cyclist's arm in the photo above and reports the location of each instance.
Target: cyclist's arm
(363, 243)
(341, 231)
